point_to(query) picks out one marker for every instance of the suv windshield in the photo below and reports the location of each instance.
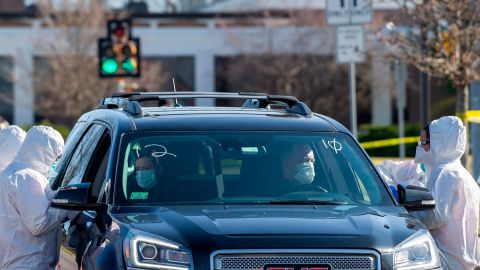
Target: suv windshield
(245, 168)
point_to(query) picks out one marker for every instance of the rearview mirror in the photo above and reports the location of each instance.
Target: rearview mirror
(74, 197)
(415, 198)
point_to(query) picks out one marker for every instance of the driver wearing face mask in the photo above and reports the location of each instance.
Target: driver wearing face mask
(297, 169)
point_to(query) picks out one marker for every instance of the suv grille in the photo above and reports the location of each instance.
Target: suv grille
(256, 261)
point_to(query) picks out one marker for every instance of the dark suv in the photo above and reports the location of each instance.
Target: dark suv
(214, 196)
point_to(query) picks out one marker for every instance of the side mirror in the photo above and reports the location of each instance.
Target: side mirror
(74, 197)
(415, 198)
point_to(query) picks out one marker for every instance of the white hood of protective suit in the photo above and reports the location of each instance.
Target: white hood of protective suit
(40, 149)
(454, 221)
(11, 138)
(29, 227)
(447, 139)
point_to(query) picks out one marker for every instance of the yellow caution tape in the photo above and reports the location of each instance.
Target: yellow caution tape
(389, 142)
(470, 116)
(473, 116)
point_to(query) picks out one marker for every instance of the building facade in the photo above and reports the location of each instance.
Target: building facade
(197, 38)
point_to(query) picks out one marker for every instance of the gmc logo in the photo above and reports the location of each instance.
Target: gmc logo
(292, 268)
(296, 267)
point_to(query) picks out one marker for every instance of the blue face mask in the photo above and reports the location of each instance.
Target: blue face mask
(305, 173)
(146, 179)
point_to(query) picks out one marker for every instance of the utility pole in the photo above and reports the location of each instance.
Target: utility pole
(401, 74)
(424, 88)
(475, 129)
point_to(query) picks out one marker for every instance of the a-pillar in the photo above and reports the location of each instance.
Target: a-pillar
(381, 92)
(205, 76)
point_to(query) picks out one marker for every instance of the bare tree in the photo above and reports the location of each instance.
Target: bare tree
(67, 84)
(444, 41)
(300, 70)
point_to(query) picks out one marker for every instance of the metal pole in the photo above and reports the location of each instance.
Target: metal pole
(353, 101)
(401, 103)
(424, 99)
(424, 88)
(475, 129)
(120, 85)
(401, 132)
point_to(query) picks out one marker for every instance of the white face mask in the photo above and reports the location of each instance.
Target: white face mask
(305, 173)
(422, 156)
(146, 179)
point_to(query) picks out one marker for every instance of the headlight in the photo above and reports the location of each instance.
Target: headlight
(150, 251)
(417, 252)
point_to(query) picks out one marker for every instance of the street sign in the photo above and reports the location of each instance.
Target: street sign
(350, 44)
(341, 12)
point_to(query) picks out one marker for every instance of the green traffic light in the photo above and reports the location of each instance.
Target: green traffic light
(129, 65)
(109, 66)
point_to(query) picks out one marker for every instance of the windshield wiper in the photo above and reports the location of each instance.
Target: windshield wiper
(308, 202)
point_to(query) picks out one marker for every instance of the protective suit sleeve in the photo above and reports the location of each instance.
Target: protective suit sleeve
(444, 198)
(34, 207)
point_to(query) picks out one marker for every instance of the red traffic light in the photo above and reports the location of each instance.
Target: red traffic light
(119, 31)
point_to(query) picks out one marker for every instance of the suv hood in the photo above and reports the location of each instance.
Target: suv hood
(263, 226)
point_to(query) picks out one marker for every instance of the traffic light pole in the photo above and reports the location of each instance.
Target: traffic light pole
(424, 89)
(120, 85)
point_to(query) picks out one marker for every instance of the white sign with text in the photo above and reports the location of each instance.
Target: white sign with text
(350, 44)
(341, 12)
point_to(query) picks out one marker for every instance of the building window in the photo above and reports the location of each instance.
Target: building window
(6, 88)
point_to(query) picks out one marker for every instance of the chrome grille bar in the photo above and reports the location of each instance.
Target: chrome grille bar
(257, 259)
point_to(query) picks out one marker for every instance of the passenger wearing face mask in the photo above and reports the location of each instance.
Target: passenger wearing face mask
(145, 182)
(454, 221)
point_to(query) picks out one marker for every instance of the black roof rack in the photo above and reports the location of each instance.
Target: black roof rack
(252, 100)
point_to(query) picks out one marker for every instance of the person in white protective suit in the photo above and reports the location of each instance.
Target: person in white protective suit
(29, 227)
(11, 138)
(454, 221)
(408, 172)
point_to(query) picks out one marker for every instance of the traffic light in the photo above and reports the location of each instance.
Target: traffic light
(119, 30)
(130, 56)
(119, 53)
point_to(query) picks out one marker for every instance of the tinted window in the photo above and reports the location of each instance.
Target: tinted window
(246, 168)
(81, 157)
(70, 144)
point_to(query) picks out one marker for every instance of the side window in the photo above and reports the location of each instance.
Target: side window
(72, 140)
(97, 168)
(81, 157)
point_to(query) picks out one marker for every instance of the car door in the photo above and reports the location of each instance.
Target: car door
(77, 165)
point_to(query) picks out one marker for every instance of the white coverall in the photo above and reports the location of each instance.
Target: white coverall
(402, 172)
(29, 227)
(11, 138)
(454, 221)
